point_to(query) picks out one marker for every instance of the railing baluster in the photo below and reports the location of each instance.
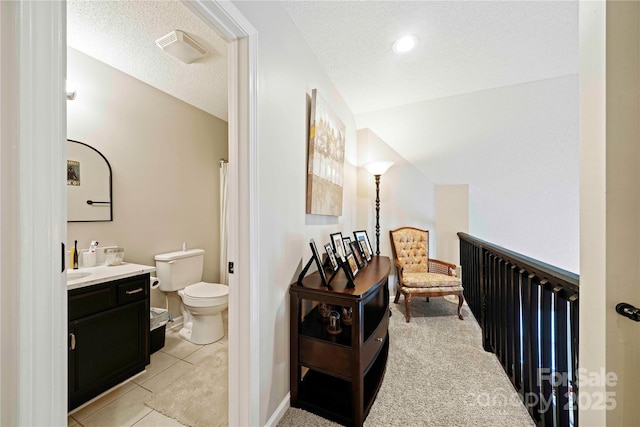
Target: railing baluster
(534, 353)
(469, 275)
(508, 313)
(502, 314)
(489, 298)
(484, 258)
(562, 359)
(574, 314)
(495, 297)
(546, 365)
(474, 280)
(477, 256)
(479, 292)
(499, 292)
(528, 313)
(527, 342)
(517, 336)
(475, 287)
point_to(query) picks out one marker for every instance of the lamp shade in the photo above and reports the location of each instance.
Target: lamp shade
(378, 168)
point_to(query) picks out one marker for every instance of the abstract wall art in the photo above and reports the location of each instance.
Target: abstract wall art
(325, 163)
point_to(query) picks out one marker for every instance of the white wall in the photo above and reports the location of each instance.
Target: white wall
(287, 74)
(517, 149)
(521, 164)
(407, 196)
(452, 217)
(164, 156)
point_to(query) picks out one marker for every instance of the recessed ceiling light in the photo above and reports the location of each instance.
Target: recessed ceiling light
(405, 44)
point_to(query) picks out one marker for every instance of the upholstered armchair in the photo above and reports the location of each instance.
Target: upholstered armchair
(419, 275)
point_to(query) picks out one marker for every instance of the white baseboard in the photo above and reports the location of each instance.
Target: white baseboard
(280, 411)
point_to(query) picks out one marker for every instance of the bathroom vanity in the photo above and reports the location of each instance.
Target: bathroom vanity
(108, 310)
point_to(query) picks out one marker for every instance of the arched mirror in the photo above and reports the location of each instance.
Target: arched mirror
(88, 184)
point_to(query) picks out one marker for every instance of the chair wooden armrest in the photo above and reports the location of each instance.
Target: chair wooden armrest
(442, 267)
(399, 270)
(398, 266)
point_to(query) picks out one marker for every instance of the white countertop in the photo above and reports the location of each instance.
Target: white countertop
(106, 273)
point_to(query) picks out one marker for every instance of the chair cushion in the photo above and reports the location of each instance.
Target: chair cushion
(429, 280)
(449, 290)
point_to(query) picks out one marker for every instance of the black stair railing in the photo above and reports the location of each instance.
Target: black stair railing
(528, 312)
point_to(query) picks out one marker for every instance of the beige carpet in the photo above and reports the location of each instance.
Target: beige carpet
(437, 375)
(199, 398)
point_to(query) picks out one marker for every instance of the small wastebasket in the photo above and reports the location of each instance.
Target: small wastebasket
(158, 324)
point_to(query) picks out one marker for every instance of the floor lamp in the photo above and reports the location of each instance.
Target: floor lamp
(377, 169)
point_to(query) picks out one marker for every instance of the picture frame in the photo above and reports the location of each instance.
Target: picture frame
(347, 245)
(338, 245)
(365, 250)
(332, 256)
(346, 240)
(318, 260)
(356, 252)
(352, 266)
(73, 172)
(362, 235)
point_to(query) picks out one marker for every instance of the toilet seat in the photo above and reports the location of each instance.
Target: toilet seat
(205, 294)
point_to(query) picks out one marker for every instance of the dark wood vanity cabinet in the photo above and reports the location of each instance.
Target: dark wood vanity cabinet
(338, 376)
(108, 336)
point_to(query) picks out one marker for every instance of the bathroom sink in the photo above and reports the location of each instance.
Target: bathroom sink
(75, 275)
(90, 276)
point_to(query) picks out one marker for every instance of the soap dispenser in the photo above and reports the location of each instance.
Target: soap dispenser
(75, 255)
(89, 257)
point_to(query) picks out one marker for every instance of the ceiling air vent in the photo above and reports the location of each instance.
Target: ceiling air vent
(183, 47)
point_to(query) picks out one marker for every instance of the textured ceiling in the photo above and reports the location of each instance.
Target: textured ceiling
(465, 46)
(122, 34)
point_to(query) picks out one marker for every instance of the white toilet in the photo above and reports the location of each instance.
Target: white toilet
(202, 303)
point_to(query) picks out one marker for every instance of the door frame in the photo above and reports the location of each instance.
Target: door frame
(33, 301)
(242, 37)
(33, 296)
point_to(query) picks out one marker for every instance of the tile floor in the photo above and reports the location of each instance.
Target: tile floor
(125, 406)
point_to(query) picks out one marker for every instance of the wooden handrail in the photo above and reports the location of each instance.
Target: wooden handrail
(569, 281)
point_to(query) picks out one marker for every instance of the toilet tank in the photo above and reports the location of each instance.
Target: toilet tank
(177, 270)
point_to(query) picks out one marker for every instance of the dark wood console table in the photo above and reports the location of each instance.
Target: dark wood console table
(338, 376)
